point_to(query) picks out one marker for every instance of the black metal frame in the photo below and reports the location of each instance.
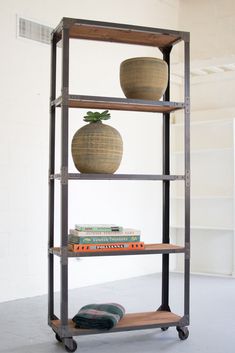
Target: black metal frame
(166, 189)
(187, 176)
(51, 199)
(62, 32)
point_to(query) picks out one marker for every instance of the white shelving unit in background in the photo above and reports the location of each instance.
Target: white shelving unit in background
(212, 195)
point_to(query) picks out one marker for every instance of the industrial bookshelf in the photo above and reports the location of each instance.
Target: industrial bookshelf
(112, 32)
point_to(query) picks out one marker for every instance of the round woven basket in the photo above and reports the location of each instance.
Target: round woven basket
(97, 148)
(144, 78)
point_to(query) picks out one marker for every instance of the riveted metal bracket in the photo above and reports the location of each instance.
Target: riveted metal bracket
(50, 176)
(185, 36)
(64, 96)
(64, 255)
(63, 261)
(64, 175)
(187, 178)
(184, 321)
(187, 251)
(63, 331)
(187, 105)
(68, 22)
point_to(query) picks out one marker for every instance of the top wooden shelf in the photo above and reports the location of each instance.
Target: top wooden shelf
(120, 33)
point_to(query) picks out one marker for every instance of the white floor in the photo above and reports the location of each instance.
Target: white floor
(23, 323)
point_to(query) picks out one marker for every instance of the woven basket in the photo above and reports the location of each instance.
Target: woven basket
(144, 78)
(97, 148)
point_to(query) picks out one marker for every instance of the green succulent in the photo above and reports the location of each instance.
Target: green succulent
(93, 117)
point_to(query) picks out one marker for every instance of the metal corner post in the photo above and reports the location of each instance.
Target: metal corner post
(51, 186)
(166, 190)
(187, 175)
(64, 181)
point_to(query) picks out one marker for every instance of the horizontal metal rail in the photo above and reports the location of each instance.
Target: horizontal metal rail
(116, 32)
(179, 250)
(116, 103)
(84, 176)
(78, 332)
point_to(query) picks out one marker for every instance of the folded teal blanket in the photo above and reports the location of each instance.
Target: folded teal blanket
(99, 316)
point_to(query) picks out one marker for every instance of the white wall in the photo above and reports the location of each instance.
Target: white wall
(211, 24)
(24, 93)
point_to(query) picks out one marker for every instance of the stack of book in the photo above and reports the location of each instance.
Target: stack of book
(103, 237)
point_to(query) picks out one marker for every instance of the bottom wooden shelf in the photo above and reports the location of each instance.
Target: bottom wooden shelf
(134, 321)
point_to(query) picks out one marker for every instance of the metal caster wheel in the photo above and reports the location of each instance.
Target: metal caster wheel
(58, 338)
(164, 328)
(72, 347)
(183, 332)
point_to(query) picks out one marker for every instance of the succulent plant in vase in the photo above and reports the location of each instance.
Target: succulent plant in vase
(93, 117)
(97, 147)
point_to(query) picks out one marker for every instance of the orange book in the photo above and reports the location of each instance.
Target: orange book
(106, 247)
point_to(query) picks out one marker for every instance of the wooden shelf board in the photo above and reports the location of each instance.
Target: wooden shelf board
(115, 103)
(149, 249)
(133, 321)
(120, 33)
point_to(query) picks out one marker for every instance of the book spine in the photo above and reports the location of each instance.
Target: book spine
(98, 229)
(106, 247)
(103, 239)
(124, 232)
